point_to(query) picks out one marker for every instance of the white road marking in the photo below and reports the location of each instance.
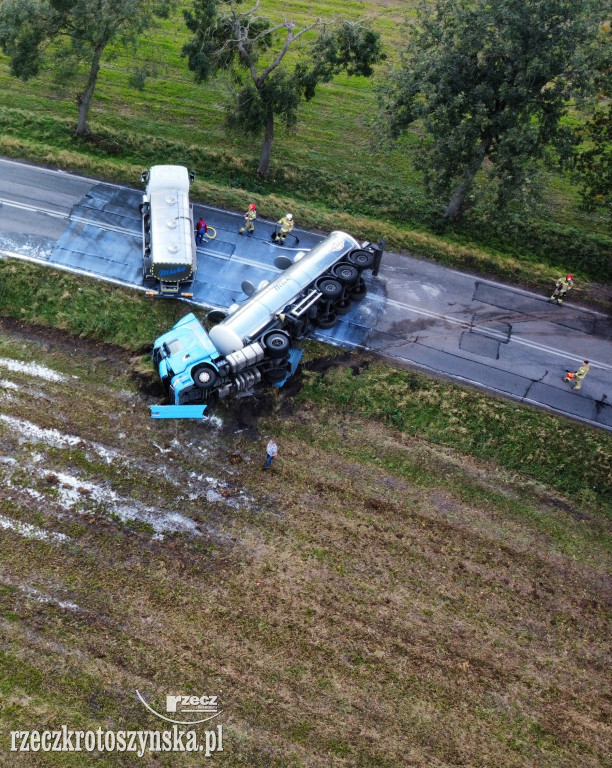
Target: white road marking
(130, 233)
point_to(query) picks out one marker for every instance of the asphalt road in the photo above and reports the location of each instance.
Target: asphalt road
(500, 338)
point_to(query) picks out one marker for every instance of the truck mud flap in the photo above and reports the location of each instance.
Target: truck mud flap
(295, 355)
(177, 411)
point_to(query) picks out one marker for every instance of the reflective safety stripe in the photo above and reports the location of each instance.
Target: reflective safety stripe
(582, 371)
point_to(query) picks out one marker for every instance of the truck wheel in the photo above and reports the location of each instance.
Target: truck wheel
(329, 287)
(276, 375)
(216, 316)
(361, 259)
(147, 278)
(148, 281)
(204, 377)
(347, 274)
(343, 307)
(277, 344)
(326, 321)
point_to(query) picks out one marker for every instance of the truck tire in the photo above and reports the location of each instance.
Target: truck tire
(330, 287)
(361, 259)
(326, 321)
(277, 344)
(347, 274)
(216, 316)
(204, 377)
(276, 375)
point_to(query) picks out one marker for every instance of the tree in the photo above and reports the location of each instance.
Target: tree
(489, 80)
(590, 156)
(592, 161)
(228, 40)
(35, 34)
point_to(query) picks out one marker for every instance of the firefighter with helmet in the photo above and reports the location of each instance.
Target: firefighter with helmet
(286, 225)
(250, 217)
(562, 286)
(578, 375)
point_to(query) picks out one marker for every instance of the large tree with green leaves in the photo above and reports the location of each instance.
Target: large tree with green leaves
(590, 140)
(252, 49)
(71, 36)
(487, 81)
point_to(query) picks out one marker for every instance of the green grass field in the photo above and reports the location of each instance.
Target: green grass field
(332, 170)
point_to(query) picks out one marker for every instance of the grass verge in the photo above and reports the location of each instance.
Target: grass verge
(516, 437)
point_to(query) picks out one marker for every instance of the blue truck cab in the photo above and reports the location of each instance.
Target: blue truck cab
(176, 351)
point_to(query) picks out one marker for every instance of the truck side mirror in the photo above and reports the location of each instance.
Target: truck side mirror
(191, 175)
(144, 177)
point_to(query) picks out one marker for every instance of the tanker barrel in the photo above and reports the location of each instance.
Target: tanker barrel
(263, 307)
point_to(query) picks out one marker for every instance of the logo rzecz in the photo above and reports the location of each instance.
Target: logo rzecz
(196, 709)
(206, 704)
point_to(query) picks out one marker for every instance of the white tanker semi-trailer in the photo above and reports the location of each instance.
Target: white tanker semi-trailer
(253, 344)
(169, 259)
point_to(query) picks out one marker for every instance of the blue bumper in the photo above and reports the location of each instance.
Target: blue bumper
(177, 411)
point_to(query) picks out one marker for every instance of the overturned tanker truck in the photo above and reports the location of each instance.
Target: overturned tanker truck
(254, 344)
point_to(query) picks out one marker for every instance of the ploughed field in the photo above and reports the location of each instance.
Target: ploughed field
(345, 612)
